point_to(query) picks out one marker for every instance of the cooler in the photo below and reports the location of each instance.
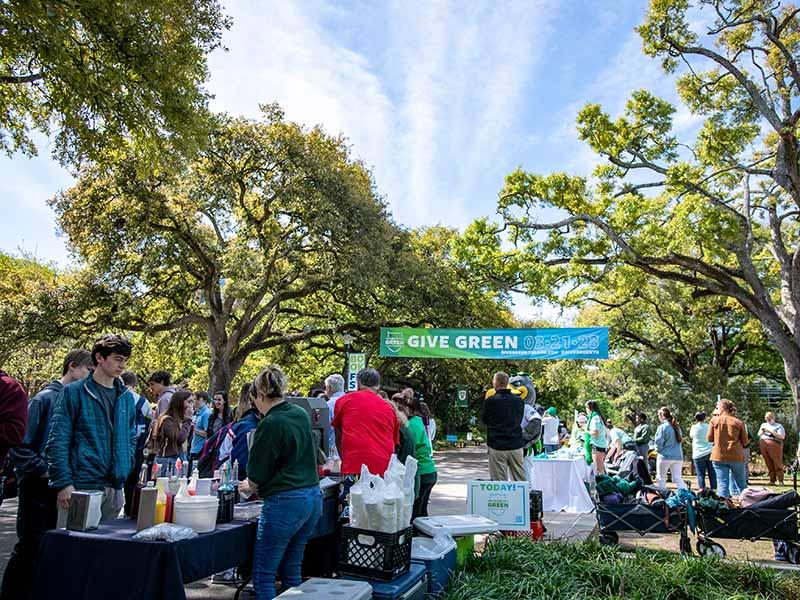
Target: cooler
(439, 558)
(461, 527)
(455, 525)
(325, 589)
(412, 585)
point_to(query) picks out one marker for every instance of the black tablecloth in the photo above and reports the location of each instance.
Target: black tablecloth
(108, 563)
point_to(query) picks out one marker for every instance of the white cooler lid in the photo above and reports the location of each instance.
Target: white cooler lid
(455, 525)
(430, 548)
(324, 589)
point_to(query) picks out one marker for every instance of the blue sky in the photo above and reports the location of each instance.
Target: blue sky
(441, 99)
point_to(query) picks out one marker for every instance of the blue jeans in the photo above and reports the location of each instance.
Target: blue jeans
(729, 474)
(287, 521)
(551, 447)
(702, 466)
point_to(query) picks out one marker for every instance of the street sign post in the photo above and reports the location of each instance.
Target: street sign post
(355, 362)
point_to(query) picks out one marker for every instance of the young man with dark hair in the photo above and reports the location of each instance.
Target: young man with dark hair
(159, 385)
(144, 418)
(92, 440)
(36, 508)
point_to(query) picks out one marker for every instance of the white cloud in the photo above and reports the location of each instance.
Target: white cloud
(428, 99)
(280, 52)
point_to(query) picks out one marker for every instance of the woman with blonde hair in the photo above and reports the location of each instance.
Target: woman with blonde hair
(406, 447)
(771, 436)
(730, 438)
(282, 469)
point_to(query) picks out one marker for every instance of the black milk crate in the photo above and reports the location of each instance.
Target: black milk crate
(374, 554)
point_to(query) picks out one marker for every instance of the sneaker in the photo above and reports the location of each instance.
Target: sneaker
(225, 578)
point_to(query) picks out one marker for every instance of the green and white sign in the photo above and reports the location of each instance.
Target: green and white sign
(462, 396)
(507, 344)
(505, 502)
(355, 362)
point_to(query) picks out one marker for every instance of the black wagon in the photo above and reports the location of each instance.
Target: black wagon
(642, 519)
(751, 524)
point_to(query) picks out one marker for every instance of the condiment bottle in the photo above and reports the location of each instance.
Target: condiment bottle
(161, 500)
(192, 488)
(137, 491)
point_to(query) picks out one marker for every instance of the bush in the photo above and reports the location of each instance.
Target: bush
(517, 568)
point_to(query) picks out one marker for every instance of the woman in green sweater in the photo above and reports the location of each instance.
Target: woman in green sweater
(424, 455)
(282, 469)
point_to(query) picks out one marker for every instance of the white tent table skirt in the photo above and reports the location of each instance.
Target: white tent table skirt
(562, 482)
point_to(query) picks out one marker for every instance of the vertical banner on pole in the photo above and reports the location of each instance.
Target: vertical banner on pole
(462, 396)
(355, 362)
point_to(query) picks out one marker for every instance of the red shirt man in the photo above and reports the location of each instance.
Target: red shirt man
(367, 430)
(13, 414)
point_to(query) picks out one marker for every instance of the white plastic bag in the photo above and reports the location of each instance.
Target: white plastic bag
(358, 513)
(396, 471)
(373, 503)
(165, 531)
(393, 500)
(408, 492)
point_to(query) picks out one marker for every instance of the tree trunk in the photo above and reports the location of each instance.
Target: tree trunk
(219, 372)
(792, 369)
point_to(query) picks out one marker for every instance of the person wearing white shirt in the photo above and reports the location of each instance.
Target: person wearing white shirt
(619, 441)
(771, 436)
(334, 389)
(701, 453)
(550, 423)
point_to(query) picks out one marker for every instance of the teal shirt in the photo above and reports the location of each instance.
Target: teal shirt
(422, 446)
(283, 456)
(700, 445)
(600, 439)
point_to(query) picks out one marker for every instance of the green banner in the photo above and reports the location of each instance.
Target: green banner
(461, 394)
(507, 344)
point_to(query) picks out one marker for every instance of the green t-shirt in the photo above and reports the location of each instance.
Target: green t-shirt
(422, 446)
(283, 456)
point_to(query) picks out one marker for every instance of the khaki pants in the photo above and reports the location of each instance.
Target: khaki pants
(772, 453)
(503, 462)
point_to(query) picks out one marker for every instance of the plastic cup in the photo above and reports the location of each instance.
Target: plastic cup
(203, 487)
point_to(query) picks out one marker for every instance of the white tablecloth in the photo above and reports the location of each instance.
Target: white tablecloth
(562, 483)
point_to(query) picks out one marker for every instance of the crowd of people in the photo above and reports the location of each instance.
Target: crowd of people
(720, 447)
(91, 429)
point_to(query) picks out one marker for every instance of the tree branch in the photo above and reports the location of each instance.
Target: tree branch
(19, 79)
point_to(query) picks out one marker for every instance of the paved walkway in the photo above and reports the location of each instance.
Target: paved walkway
(449, 497)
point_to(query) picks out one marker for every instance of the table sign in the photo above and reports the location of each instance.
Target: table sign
(506, 502)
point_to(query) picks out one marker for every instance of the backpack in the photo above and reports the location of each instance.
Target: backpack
(142, 425)
(156, 446)
(208, 462)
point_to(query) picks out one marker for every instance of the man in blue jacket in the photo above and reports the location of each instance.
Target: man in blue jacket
(93, 435)
(36, 502)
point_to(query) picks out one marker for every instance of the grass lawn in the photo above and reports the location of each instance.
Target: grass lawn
(519, 569)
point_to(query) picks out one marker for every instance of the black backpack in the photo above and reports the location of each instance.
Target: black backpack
(208, 462)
